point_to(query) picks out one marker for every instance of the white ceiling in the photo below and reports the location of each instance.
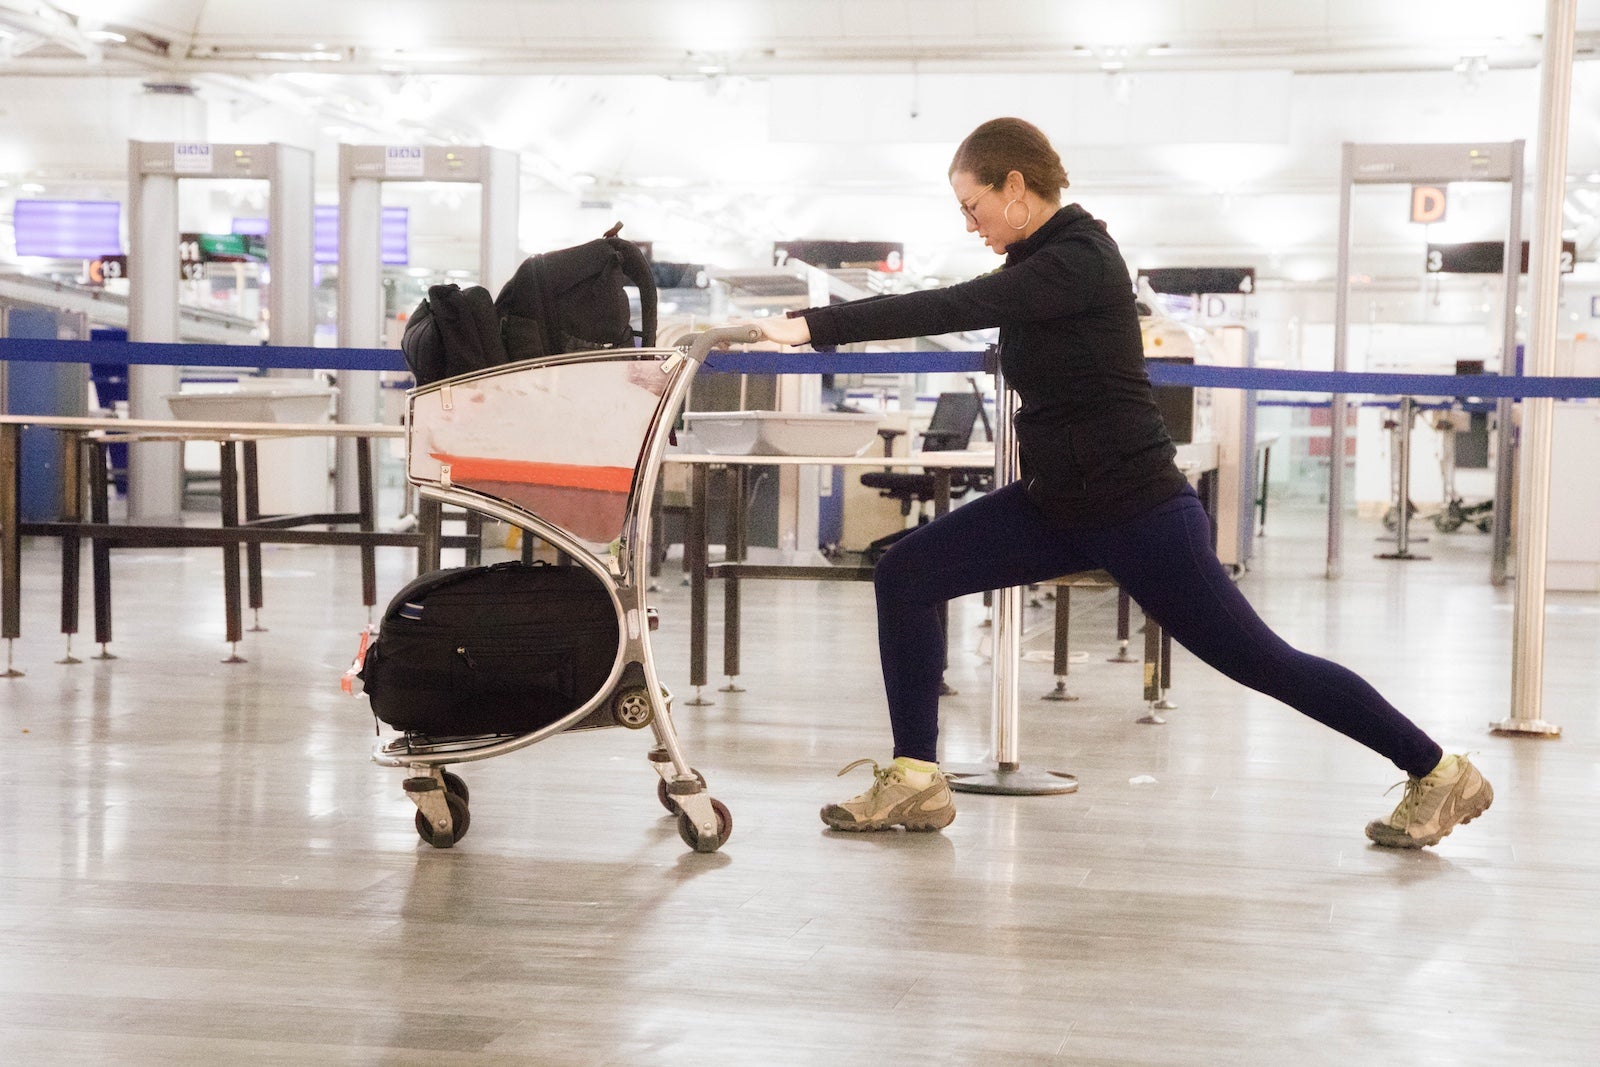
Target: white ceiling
(1205, 130)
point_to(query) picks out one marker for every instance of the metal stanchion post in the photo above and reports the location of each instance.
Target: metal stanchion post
(1004, 775)
(1402, 528)
(1538, 414)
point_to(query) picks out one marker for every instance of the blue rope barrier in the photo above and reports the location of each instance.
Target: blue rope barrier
(768, 362)
(149, 353)
(1375, 384)
(1257, 378)
(761, 362)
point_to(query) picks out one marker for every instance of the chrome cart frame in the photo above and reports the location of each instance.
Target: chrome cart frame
(568, 448)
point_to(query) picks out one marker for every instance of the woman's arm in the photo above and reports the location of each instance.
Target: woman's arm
(1060, 280)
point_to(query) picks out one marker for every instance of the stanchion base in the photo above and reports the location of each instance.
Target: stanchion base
(981, 778)
(699, 700)
(1399, 555)
(12, 672)
(104, 653)
(1531, 727)
(1059, 693)
(69, 658)
(946, 691)
(731, 688)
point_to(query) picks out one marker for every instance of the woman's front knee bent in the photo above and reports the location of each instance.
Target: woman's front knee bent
(897, 576)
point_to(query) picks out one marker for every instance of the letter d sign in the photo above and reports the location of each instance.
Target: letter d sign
(1427, 203)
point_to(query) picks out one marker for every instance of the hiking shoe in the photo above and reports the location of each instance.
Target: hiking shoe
(1453, 793)
(892, 801)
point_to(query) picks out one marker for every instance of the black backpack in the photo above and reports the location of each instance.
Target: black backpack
(571, 300)
(453, 331)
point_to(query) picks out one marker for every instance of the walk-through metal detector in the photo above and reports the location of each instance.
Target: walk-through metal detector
(362, 171)
(155, 470)
(1427, 164)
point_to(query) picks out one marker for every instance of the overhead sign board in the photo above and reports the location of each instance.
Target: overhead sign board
(1486, 257)
(887, 256)
(1187, 281)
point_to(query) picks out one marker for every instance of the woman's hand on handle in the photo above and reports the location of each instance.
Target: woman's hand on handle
(784, 331)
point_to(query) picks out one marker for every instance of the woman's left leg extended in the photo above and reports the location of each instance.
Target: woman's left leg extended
(1165, 561)
(993, 542)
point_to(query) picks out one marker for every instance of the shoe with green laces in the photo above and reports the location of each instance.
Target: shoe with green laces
(1451, 794)
(893, 801)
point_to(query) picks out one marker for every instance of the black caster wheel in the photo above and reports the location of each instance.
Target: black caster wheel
(691, 833)
(459, 820)
(454, 784)
(666, 797)
(632, 708)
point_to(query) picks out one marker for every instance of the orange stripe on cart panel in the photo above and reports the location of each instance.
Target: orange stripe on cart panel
(523, 472)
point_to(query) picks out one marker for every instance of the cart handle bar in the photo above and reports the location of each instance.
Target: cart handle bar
(701, 344)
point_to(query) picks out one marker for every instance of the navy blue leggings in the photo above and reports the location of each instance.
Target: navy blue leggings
(1163, 559)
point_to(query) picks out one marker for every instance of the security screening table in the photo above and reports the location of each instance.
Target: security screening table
(84, 477)
(736, 564)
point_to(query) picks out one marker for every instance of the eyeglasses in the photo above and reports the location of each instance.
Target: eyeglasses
(966, 205)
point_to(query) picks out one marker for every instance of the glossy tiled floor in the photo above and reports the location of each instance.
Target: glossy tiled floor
(201, 866)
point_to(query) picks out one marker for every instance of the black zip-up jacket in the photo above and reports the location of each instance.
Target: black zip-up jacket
(1093, 447)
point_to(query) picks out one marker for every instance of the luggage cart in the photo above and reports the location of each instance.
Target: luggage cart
(569, 449)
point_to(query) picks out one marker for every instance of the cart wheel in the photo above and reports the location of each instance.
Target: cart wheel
(632, 707)
(666, 797)
(454, 784)
(459, 820)
(691, 834)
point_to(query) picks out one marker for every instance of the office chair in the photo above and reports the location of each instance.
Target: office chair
(950, 429)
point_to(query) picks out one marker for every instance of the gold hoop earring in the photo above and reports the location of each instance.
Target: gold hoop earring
(1005, 213)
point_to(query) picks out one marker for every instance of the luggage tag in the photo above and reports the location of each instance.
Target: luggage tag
(348, 680)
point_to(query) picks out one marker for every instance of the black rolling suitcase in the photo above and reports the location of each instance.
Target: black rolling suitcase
(509, 648)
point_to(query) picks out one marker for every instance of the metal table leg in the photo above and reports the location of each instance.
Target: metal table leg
(10, 541)
(252, 550)
(99, 548)
(694, 554)
(738, 536)
(367, 520)
(1152, 672)
(1124, 627)
(230, 553)
(1261, 501)
(430, 518)
(1063, 652)
(71, 546)
(941, 506)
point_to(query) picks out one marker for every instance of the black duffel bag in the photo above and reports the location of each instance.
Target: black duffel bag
(508, 648)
